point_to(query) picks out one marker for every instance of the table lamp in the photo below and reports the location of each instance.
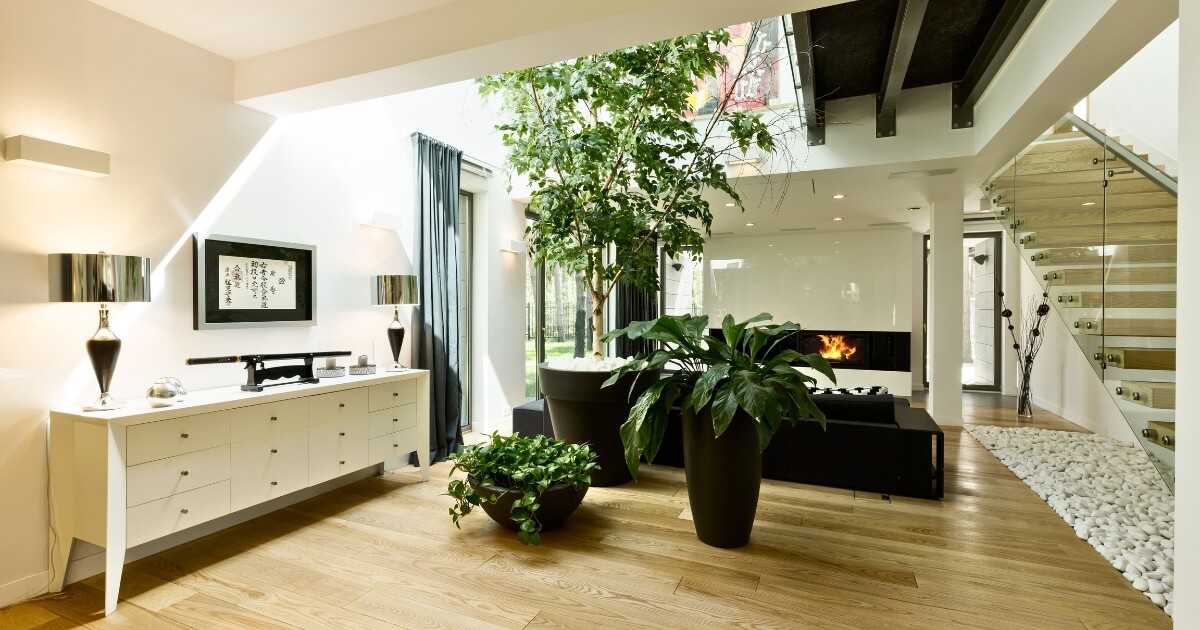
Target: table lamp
(102, 278)
(394, 291)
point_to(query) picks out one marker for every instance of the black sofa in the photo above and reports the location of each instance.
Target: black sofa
(874, 444)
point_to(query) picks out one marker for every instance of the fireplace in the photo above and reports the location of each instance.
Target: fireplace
(850, 349)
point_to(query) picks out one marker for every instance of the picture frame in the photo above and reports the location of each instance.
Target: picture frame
(252, 283)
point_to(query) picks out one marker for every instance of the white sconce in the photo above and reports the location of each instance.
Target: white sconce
(512, 245)
(55, 156)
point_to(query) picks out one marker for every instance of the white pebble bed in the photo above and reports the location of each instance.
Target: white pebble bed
(1107, 490)
(586, 364)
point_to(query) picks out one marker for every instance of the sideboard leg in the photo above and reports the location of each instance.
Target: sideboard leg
(114, 549)
(114, 564)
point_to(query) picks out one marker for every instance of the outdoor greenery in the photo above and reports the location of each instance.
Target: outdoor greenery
(743, 371)
(615, 161)
(530, 466)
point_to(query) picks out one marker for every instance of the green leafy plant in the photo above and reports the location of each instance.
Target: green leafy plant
(742, 371)
(616, 158)
(529, 465)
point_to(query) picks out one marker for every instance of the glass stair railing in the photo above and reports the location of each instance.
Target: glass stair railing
(1097, 225)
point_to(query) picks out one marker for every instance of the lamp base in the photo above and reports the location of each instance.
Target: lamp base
(104, 403)
(396, 368)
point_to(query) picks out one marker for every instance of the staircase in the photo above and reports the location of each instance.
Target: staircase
(1096, 222)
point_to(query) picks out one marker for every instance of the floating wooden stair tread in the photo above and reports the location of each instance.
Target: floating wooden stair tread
(1089, 217)
(1121, 327)
(1019, 204)
(1118, 275)
(1077, 144)
(1138, 358)
(1121, 254)
(1067, 162)
(1161, 432)
(1117, 299)
(1148, 393)
(1093, 175)
(1125, 234)
(1006, 191)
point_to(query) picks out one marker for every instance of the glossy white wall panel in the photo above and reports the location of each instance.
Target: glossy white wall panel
(853, 280)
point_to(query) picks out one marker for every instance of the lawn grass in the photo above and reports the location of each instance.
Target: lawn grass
(554, 350)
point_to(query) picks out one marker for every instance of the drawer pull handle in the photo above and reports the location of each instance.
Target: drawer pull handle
(274, 483)
(183, 511)
(274, 450)
(274, 418)
(341, 404)
(184, 473)
(342, 434)
(184, 436)
(343, 462)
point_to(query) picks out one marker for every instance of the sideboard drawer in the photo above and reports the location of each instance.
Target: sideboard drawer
(392, 420)
(269, 419)
(261, 452)
(167, 438)
(278, 479)
(331, 435)
(324, 408)
(178, 511)
(175, 475)
(326, 465)
(392, 394)
(392, 445)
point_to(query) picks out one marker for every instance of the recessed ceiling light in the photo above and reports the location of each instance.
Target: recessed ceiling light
(839, 196)
(730, 204)
(749, 225)
(837, 242)
(1088, 203)
(837, 218)
(770, 245)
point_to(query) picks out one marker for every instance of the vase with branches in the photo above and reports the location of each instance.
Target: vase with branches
(1026, 343)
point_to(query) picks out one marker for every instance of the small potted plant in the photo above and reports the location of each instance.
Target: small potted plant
(526, 484)
(734, 393)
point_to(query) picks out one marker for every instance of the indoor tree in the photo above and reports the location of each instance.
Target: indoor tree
(617, 161)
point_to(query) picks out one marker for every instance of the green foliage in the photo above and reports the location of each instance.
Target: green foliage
(730, 374)
(528, 465)
(613, 159)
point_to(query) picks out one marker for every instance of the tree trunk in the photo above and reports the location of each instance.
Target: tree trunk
(597, 289)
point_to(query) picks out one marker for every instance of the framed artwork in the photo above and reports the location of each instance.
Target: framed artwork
(248, 283)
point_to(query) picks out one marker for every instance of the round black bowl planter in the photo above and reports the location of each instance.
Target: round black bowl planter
(557, 503)
(723, 477)
(583, 412)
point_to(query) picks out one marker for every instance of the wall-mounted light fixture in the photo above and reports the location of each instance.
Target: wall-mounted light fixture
(513, 245)
(55, 156)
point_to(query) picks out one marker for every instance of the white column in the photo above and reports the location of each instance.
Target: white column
(1187, 468)
(1013, 266)
(946, 311)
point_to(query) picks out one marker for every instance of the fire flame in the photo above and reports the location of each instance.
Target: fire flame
(836, 347)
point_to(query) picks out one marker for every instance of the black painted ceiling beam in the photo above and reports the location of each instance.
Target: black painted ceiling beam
(1012, 22)
(812, 113)
(909, 17)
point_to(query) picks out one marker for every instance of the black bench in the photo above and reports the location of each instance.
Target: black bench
(870, 443)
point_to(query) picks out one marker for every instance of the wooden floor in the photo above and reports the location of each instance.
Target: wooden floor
(382, 553)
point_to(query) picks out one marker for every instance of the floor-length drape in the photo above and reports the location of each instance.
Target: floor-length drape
(437, 319)
(634, 305)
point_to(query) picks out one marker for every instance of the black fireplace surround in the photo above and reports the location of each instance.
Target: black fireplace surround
(874, 350)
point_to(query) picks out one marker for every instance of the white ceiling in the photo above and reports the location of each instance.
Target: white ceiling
(240, 29)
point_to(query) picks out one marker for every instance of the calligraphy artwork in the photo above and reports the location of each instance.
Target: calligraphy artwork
(246, 282)
(257, 283)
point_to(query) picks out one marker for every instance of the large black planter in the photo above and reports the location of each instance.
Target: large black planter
(723, 477)
(583, 412)
(557, 504)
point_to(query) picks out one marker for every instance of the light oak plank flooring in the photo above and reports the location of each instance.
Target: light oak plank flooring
(382, 553)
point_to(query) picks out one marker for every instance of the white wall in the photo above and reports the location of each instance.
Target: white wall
(186, 159)
(1140, 101)
(852, 280)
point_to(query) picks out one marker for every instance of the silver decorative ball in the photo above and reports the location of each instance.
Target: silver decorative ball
(165, 392)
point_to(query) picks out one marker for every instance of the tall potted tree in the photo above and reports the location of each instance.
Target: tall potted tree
(617, 162)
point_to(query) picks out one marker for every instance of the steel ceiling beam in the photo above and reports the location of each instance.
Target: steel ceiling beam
(1012, 22)
(812, 113)
(909, 17)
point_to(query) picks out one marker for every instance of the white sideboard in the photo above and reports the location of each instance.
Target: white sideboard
(125, 477)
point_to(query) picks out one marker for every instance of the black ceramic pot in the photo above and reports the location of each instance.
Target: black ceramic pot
(723, 477)
(557, 504)
(583, 412)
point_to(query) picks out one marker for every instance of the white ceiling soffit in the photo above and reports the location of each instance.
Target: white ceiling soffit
(293, 56)
(239, 29)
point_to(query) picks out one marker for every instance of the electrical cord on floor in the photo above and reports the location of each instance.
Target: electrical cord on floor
(53, 536)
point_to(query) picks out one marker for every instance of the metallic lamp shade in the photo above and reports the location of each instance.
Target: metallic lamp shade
(394, 290)
(99, 278)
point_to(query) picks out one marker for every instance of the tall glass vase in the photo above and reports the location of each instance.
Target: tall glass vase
(1025, 390)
